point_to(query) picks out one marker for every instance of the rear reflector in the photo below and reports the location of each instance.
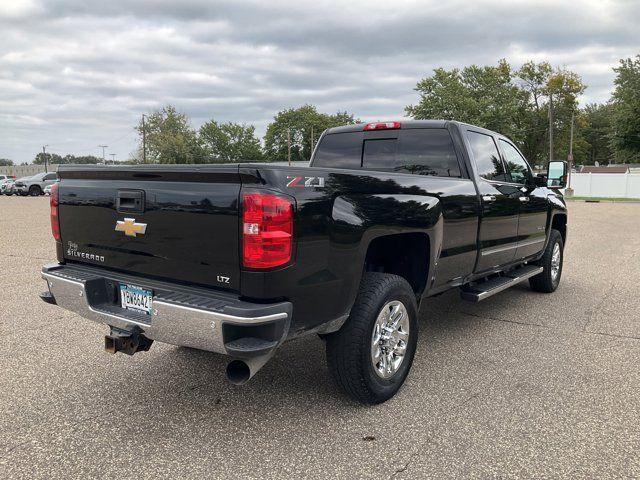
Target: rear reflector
(55, 220)
(267, 230)
(381, 126)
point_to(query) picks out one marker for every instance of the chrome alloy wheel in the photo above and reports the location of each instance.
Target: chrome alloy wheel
(390, 339)
(555, 261)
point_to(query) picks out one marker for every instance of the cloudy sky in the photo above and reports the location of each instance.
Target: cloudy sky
(78, 73)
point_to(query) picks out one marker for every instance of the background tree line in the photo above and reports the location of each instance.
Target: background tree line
(515, 103)
(169, 137)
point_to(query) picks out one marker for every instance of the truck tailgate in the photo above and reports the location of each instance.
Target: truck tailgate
(168, 222)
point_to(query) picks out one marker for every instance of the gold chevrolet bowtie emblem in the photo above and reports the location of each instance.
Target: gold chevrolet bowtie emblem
(130, 227)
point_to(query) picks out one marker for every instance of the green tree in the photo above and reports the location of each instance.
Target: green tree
(300, 123)
(543, 87)
(564, 87)
(514, 103)
(625, 135)
(170, 138)
(51, 158)
(594, 122)
(229, 142)
(484, 96)
(5, 162)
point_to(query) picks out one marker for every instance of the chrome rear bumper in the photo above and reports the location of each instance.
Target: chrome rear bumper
(208, 321)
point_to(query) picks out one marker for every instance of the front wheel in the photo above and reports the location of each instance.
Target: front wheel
(548, 280)
(35, 191)
(370, 356)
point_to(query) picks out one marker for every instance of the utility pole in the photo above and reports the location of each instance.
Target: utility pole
(569, 190)
(103, 147)
(550, 127)
(289, 145)
(311, 142)
(113, 157)
(144, 141)
(44, 155)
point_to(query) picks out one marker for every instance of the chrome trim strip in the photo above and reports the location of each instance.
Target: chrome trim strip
(504, 248)
(511, 246)
(532, 242)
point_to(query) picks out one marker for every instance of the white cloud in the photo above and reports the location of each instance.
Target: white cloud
(75, 74)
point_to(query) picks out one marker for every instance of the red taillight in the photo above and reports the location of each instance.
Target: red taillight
(381, 126)
(267, 230)
(55, 221)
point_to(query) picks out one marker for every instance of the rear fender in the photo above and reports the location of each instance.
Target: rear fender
(356, 220)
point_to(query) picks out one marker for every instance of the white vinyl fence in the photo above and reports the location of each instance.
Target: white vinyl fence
(621, 185)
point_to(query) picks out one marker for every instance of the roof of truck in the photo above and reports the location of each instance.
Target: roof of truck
(358, 127)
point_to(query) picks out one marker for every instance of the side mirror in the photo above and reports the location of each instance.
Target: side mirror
(557, 175)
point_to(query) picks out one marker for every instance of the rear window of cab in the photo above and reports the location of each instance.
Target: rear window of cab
(423, 151)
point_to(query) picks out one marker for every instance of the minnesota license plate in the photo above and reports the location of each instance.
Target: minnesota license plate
(136, 298)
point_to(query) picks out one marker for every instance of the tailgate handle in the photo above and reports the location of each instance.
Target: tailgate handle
(130, 201)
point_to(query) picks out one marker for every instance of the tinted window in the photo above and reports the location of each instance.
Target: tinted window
(516, 164)
(428, 152)
(380, 154)
(51, 176)
(340, 150)
(486, 156)
(420, 151)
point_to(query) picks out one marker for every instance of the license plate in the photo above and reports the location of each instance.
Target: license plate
(136, 298)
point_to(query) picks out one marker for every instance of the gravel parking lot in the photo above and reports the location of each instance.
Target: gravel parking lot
(521, 385)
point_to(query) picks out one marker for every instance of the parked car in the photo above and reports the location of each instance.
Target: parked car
(236, 259)
(6, 186)
(35, 184)
(11, 188)
(47, 189)
(7, 177)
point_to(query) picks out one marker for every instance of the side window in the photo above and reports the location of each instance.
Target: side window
(486, 156)
(51, 176)
(427, 151)
(516, 164)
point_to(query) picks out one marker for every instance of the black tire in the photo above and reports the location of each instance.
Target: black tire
(35, 191)
(349, 350)
(546, 281)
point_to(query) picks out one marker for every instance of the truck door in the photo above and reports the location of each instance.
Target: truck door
(533, 202)
(500, 204)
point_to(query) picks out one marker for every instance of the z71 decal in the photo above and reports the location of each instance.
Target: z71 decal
(302, 182)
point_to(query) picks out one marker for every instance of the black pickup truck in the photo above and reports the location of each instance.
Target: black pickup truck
(236, 259)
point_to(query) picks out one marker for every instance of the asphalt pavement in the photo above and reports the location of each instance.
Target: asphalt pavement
(521, 385)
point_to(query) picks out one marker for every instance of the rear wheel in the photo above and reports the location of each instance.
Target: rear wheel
(370, 356)
(548, 280)
(35, 191)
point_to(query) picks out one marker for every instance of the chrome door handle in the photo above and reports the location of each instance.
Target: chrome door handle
(488, 198)
(524, 199)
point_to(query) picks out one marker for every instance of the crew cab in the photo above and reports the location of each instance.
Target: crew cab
(238, 258)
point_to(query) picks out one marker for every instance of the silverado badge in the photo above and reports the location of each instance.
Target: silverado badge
(130, 227)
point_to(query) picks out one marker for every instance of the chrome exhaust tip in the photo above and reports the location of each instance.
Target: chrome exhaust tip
(240, 372)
